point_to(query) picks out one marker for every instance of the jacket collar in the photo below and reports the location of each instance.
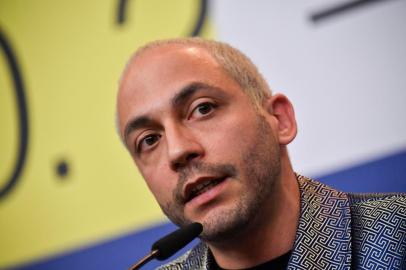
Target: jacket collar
(323, 237)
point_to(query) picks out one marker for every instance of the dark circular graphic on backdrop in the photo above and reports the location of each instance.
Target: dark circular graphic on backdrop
(21, 105)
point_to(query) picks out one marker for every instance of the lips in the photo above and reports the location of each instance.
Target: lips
(200, 186)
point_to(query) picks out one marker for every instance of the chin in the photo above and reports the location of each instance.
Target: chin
(224, 224)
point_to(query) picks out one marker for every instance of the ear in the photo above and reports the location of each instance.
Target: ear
(281, 110)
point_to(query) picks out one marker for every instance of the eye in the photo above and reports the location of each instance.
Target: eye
(202, 109)
(147, 142)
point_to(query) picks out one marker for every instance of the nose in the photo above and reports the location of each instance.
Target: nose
(183, 147)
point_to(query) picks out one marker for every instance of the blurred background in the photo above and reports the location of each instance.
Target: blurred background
(70, 196)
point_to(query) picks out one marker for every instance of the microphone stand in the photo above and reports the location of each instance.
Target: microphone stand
(144, 260)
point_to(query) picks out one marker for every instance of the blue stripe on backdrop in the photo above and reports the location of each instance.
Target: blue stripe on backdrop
(119, 253)
(386, 174)
(383, 175)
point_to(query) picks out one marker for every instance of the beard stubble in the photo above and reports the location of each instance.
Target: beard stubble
(260, 170)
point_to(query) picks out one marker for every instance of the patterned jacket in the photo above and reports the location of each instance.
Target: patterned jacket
(336, 230)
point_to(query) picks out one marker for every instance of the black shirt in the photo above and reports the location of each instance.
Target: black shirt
(279, 263)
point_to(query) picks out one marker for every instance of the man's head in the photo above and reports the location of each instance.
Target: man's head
(205, 132)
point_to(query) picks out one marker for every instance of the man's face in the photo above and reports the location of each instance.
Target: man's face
(206, 152)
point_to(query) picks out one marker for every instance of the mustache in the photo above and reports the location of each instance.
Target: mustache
(202, 168)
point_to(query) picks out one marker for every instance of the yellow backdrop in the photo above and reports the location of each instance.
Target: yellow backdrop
(70, 55)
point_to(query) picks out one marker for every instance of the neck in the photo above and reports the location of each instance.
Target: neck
(273, 231)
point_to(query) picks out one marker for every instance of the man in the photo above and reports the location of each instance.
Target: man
(211, 140)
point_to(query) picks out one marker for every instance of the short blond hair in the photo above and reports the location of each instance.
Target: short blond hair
(237, 65)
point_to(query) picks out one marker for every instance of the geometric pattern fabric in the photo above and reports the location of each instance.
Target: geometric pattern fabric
(323, 238)
(379, 225)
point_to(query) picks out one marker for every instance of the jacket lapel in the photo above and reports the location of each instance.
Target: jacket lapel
(323, 238)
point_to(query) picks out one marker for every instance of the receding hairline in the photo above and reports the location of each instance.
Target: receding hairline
(235, 63)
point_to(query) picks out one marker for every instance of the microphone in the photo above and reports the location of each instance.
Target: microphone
(170, 244)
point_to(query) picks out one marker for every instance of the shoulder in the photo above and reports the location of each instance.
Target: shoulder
(197, 259)
(377, 211)
(360, 198)
(362, 204)
(378, 230)
(377, 222)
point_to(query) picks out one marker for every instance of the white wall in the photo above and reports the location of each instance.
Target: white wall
(346, 75)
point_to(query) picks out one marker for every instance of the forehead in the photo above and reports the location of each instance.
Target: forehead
(153, 77)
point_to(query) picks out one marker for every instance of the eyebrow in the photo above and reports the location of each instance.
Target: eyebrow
(189, 90)
(178, 99)
(136, 123)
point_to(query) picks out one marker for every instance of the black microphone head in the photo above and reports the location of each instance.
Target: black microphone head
(170, 244)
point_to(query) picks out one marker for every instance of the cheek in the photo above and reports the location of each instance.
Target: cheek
(161, 182)
(228, 140)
